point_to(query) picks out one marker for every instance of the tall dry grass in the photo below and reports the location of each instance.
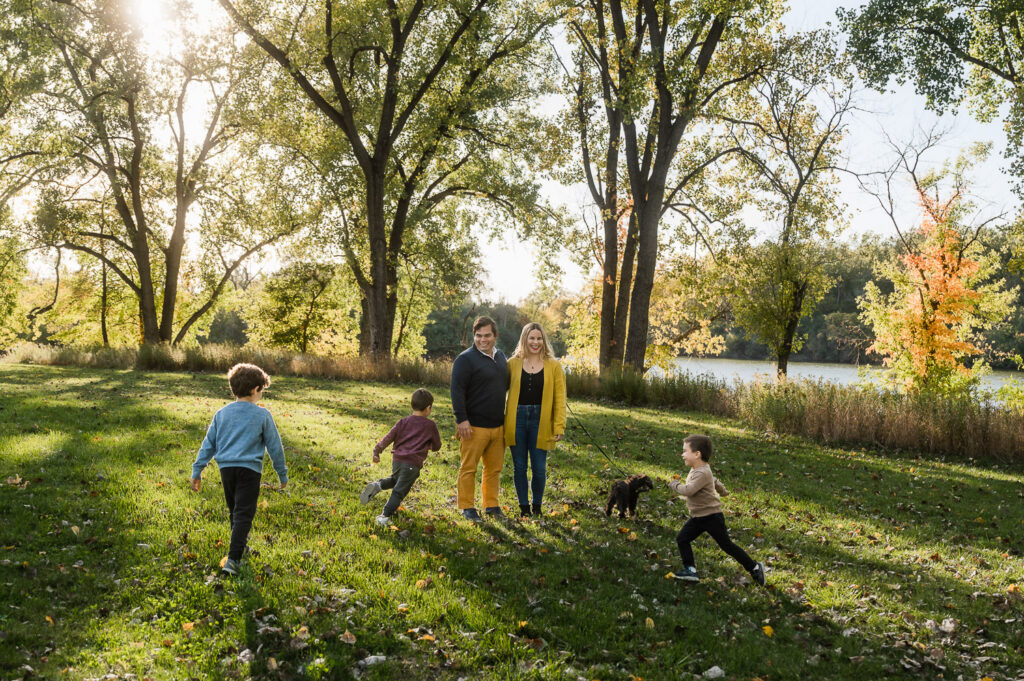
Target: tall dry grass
(820, 410)
(220, 358)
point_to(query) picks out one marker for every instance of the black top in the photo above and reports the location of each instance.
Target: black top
(531, 387)
(479, 384)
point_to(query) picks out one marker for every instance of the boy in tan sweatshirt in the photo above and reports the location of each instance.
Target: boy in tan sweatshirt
(702, 492)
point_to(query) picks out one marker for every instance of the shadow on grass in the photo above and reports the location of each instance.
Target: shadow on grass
(510, 597)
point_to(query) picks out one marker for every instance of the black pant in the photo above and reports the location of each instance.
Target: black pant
(715, 526)
(400, 482)
(241, 490)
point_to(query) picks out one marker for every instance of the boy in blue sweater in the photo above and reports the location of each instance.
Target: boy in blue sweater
(236, 440)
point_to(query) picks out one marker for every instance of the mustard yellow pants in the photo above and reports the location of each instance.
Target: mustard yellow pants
(487, 445)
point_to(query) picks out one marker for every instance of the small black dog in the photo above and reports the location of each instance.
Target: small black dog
(624, 494)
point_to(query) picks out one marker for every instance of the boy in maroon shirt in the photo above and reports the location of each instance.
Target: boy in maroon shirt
(413, 437)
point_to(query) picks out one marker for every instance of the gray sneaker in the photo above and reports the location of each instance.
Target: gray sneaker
(383, 520)
(495, 512)
(757, 573)
(231, 568)
(369, 492)
(471, 514)
(687, 574)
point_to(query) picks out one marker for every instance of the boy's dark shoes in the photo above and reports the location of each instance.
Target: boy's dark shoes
(369, 492)
(524, 510)
(687, 574)
(536, 509)
(757, 572)
(471, 514)
(230, 568)
(495, 512)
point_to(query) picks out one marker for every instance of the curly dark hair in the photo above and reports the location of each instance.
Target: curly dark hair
(244, 378)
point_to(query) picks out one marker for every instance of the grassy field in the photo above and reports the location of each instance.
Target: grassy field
(880, 566)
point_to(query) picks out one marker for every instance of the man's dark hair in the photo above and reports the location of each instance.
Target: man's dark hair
(421, 399)
(244, 378)
(700, 443)
(485, 321)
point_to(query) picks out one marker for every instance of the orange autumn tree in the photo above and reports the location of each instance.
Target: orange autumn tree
(926, 329)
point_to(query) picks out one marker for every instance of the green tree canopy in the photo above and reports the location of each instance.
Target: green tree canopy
(949, 50)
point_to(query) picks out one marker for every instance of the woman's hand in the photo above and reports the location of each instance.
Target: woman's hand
(558, 437)
(197, 484)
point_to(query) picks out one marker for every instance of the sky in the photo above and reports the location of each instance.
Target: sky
(900, 114)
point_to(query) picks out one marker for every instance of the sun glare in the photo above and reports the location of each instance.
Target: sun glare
(160, 32)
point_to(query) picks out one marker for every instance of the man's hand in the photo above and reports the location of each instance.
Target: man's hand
(197, 484)
(283, 485)
(464, 431)
(558, 437)
(376, 458)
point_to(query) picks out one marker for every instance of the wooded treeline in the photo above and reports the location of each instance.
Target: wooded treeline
(320, 176)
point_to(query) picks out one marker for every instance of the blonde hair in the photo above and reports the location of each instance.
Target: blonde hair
(545, 352)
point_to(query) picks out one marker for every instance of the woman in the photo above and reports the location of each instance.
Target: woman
(534, 413)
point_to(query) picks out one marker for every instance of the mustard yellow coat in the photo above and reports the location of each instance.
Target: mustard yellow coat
(552, 403)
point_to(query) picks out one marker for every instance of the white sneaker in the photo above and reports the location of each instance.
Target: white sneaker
(383, 520)
(369, 492)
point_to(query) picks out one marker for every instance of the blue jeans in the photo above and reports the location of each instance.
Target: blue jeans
(527, 425)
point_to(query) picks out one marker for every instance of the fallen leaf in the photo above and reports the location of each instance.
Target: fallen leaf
(271, 664)
(768, 631)
(426, 637)
(649, 622)
(423, 583)
(302, 633)
(348, 637)
(49, 620)
(631, 537)
(187, 626)
(75, 530)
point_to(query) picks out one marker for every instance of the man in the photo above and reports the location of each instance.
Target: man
(479, 383)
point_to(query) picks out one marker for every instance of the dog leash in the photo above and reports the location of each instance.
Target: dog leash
(594, 440)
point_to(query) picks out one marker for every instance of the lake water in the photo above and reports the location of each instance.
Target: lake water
(747, 370)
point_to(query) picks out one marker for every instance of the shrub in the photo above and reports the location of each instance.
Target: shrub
(858, 415)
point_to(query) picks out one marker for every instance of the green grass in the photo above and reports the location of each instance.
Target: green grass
(108, 562)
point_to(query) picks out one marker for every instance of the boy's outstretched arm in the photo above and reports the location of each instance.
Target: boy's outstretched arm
(206, 452)
(721, 489)
(435, 440)
(700, 480)
(384, 442)
(272, 439)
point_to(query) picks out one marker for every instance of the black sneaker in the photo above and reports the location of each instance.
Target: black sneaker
(471, 514)
(230, 568)
(687, 574)
(495, 512)
(757, 572)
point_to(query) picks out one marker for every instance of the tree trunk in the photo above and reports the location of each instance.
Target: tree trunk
(647, 261)
(625, 290)
(175, 249)
(103, 307)
(789, 333)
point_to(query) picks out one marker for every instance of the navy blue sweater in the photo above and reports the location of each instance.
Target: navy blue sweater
(479, 384)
